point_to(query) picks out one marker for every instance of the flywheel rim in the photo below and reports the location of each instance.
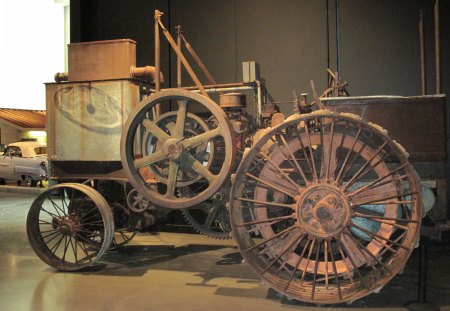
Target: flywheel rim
(174, 149)
(340, 266)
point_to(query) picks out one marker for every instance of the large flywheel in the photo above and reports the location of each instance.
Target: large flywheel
(325, 207)
(169, 157)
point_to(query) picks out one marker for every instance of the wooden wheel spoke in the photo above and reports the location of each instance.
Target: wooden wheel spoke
(155, 130)
(149, 159)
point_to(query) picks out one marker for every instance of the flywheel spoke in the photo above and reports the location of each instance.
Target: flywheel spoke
(201, 138)
(172, 179)
(154, 129)
(149, 159)
(178, 131)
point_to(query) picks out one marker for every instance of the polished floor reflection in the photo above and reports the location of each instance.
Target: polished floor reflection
(170, 271)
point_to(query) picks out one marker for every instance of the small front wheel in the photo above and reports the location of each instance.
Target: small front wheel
(70, 226)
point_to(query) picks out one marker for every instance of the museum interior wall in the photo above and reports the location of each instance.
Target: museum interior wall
(293, 41)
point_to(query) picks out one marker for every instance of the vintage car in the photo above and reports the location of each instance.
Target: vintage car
(24, 162)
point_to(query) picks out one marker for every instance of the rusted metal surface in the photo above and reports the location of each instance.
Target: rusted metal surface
(418, 123)
(84, 120)
(325, 207)
(101, 60)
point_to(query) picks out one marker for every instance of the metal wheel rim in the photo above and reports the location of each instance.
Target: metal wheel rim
(63, 242)
(150, 190)
(303, 279)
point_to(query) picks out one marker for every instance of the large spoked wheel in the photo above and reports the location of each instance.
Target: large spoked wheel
(70, 226)
(167, 157)
(326, 208)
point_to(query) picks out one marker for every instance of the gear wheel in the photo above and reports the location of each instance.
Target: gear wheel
(211, 219)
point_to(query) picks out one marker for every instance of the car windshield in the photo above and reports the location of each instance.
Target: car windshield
(40, 150)
(13, 151)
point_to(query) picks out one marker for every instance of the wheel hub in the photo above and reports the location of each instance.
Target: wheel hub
(66, 226)
(173, 148)
(323, 211)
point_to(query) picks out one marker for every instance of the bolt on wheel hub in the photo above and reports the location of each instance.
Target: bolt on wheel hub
(173, 148)
(323, 211)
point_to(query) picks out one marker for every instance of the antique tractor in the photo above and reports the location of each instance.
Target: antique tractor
(324, 206)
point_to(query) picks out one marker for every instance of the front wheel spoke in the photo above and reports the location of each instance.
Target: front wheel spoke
(66, 246)
(201, 138)
(149, 159)
(57, 208)
(155, 130)
(56, 245)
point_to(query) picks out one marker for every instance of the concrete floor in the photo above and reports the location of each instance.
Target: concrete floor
(171, 271)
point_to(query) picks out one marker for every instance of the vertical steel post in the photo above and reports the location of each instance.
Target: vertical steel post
(157, 59)
(178, 29)
(423, 78)
(437, 47)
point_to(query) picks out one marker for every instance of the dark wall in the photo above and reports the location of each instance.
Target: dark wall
(292, 40)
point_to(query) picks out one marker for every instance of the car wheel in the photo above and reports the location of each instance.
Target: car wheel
(30, 182)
